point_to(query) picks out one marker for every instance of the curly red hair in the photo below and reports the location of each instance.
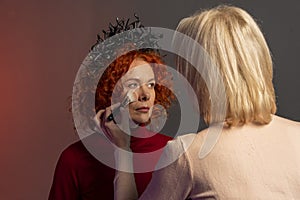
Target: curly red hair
(120, 66)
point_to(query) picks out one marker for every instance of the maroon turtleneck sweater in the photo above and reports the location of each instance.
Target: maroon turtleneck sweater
(80, 176)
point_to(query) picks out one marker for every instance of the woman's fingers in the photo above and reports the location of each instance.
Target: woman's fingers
(100, 120)
(124, 118)
(97, 117)
(119, 133)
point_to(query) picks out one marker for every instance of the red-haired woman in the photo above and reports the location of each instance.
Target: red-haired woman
(78, 174)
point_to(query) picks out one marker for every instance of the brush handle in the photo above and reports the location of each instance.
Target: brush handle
(114, 112)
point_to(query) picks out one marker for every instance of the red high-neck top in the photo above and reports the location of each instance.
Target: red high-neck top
(79, 175)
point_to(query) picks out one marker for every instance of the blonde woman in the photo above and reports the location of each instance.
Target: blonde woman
(257, 154)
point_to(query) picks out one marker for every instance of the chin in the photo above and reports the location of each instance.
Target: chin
(141, 120)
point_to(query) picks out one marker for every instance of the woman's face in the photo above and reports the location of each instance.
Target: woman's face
(140, 78)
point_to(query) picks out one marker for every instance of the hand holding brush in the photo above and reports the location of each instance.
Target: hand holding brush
(129, 98)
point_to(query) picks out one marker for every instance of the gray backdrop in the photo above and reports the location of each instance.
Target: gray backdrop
(42, 46)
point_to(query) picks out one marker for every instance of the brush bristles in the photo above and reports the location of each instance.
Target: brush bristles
(130, 97)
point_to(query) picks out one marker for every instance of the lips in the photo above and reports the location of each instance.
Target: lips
(143, 109)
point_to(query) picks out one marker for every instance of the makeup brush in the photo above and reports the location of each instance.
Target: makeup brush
(129, 98)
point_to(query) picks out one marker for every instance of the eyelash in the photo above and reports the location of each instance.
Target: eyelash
(135, 85)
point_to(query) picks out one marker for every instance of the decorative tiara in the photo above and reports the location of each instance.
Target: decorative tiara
(121, 38)
(121, 26)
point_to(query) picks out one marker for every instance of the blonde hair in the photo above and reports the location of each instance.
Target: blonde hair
(237, 47)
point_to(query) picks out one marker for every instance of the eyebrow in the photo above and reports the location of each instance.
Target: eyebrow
(138, 80)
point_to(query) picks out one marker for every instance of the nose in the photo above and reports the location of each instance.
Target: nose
(144, 94)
